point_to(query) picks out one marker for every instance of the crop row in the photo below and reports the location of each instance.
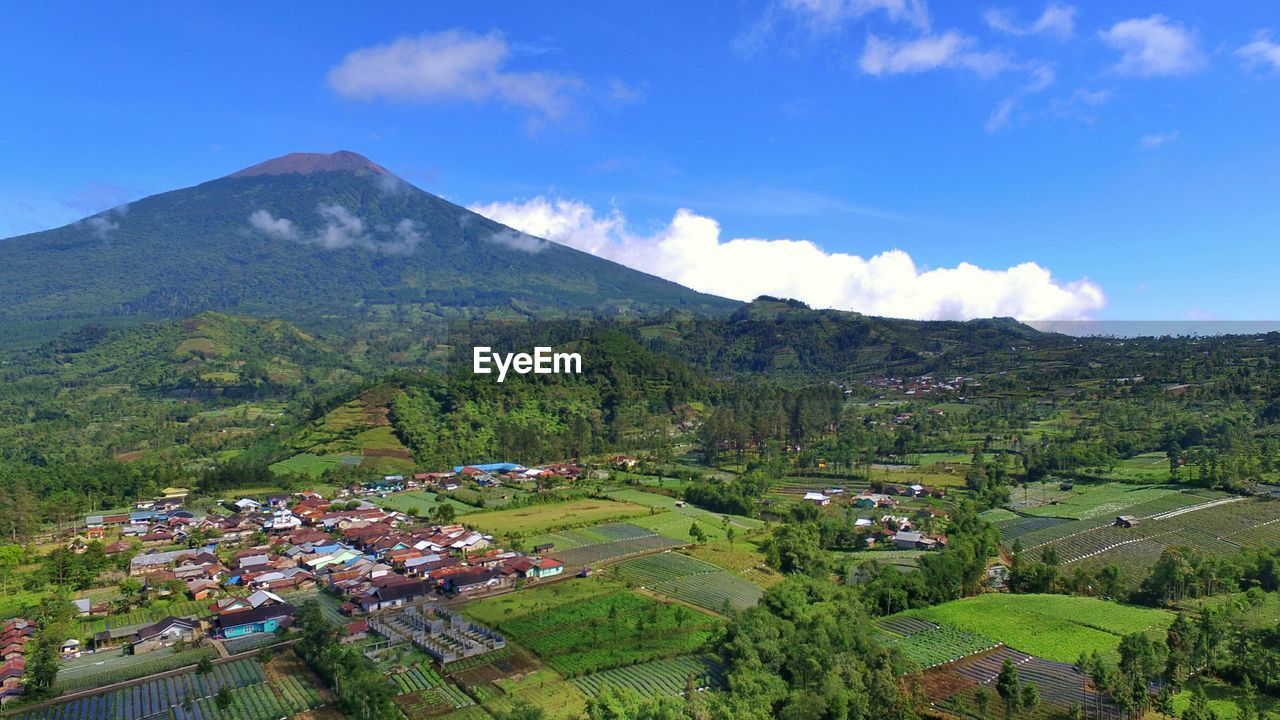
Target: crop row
(265, 701)
(153, 696)
(122, 672)
(941, 644)
(419, 677)
(607, 551)
(660, 677)
(691, 580)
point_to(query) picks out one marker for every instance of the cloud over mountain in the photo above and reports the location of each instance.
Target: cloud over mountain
(691, 251)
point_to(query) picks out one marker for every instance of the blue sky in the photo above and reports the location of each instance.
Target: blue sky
(1128, 149)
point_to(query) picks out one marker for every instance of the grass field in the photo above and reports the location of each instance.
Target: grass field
(616, 629)
(1055, 627)
(543, 518)
(423, 500)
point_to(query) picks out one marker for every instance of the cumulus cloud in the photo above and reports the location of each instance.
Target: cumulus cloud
(691, 251)
(1153, 46)
(1262, 52)
(1058, 21)
(341, 229)
(931, 52)
(1155, 140)
(448, 66)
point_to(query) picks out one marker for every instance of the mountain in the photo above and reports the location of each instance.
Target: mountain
(311, 237)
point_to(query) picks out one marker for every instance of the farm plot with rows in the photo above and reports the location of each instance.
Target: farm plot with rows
(1019, 526)
(272, 700)
(153, 697)
(693, 581)
(105, 668)
(1214, 527)
(937, 645)
(955, 685)
(660, 677)
(580, 537)
(607, 631)
(1054, 627)
(614, 550)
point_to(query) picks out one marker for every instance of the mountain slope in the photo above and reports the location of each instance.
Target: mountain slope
(308, 237)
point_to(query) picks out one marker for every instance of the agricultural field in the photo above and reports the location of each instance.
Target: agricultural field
(741, 524)
(690, 580)
(611, 541)
(105, 668)
(310, 464)
(610, 630)
(424, 501)
(739, 557)
(153, 697)
(544, 689)
(551, 516)
(356, 429)
(936, 645)
(1054, 627)
(660, 677)
(1103, 500)
(1214, 526)
(495, 610)
(954, 686)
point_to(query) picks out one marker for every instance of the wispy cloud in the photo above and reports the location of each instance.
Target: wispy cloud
(1153, 47)
(104, 225)
(1042, 76)
(341, 229)
(1262, 52)
(451, 66)
(825, 13)
(691, 251)
(1152, 141)
(1058, 21)
(930, 52)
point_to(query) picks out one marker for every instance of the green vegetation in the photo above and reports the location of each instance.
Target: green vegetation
(1057, 627)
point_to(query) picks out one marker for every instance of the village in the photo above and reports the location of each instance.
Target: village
(385, 571)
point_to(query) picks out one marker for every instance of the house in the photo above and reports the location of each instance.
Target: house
(70, 648)
(817, 498)
(395, 595)
(174, 493)
(247, 505)
(917, 490)
(913, 541)
(265, 618)
(545, 567)
(117, 547)
(1126, 521)
(544, 548)
(11, 673)
(354, 631)
(476, 581)
(166, 633)
(201, 588)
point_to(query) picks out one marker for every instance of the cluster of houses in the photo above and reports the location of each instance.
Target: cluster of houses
(890, 530)
(372, 558)
(14, 635)
(483, 475)
(921, 385)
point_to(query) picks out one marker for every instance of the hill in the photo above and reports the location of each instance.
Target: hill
(310, 238)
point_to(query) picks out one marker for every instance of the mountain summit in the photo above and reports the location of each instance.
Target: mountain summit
(310, 237)
(307, 163)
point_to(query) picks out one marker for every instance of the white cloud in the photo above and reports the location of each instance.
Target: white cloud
(1261, 52)
(691, 252)
(1057, 21)
(931, 52)
(104, 224)
(825, 13)
(451, 65)
(1042, 77)
(1155, 140)
(271, 226)
(1153, 46)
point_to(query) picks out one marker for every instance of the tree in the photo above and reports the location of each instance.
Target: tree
(697, 533)
(222, 700)
(521, 710)
(982, 703)
(205, 666)
(1009, 687)
(1198, 708)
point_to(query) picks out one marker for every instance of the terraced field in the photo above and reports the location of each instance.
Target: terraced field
(691, 580)
(660, 677)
